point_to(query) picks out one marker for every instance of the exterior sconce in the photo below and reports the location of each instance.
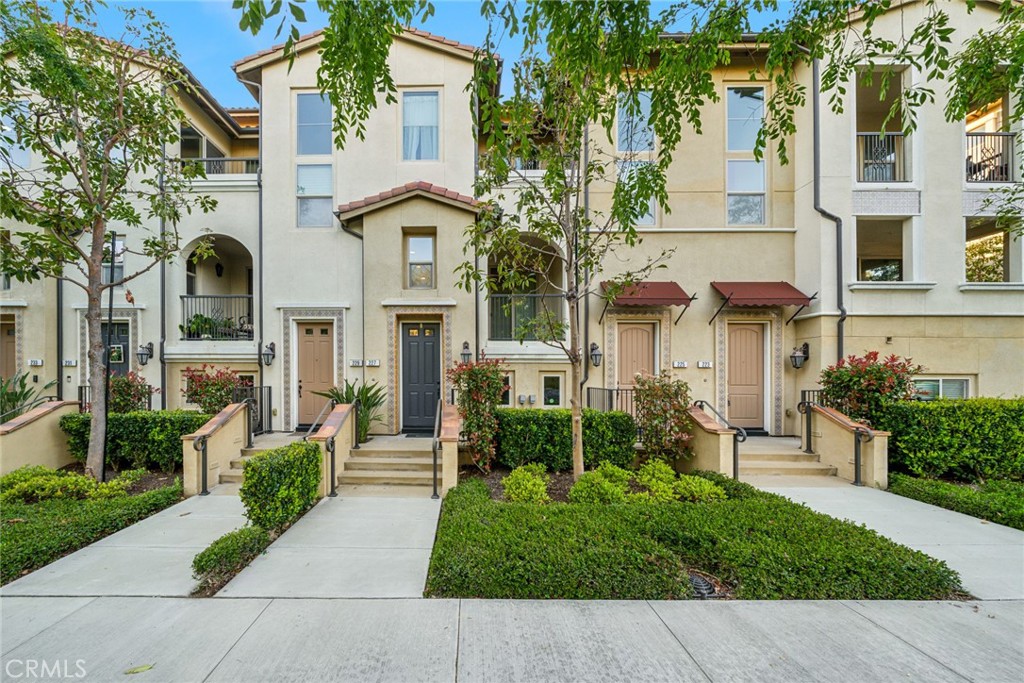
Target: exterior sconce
(219, 269)
(595, 354)
(269, 351)
(800, 355)
(466, 354)
(144, 353)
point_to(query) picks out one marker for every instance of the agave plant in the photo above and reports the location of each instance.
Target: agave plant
(16, 395)
(371, 399)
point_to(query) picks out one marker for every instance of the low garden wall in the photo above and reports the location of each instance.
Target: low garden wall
(225, 434)
(711, 445)
(339, 426)
(35, 438)
(832, 439)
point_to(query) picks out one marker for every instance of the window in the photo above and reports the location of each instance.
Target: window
(745, 182)
(552, 385)
(114, 272)
(931, 389)
(5, 282)
(506, 392)
(419, 126)
(745, 111)
(635, 131)
(419, 249)
(313, 124)
(991, 254)
(17, 155)
(313, 189)
(191, 143)
(883, 153)
(190, 274)
(628, 171)
(880, 251)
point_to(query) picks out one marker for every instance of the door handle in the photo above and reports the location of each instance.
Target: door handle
(300, 388)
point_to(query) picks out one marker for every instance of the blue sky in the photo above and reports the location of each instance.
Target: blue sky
(208, 38)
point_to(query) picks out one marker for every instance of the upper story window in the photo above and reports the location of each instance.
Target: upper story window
(313, 124)
(746, 192)
(190, 274)
(419, 249)
(420, 131)
(745, 112)
(313, 188)
(113, 269)
(17, 155)
(990, 144)
(635, 133)
(880, 250)
(627, 171)
(882, 155)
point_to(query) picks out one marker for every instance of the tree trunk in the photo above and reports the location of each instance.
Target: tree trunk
(576, 389)
(94, 461)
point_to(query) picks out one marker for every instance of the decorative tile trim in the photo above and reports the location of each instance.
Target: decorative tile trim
(615, 316)
(18, 317)
(886, 202)
(974, 202)
(776, 366)
(129, 315)
(290, 315)
(394, 339)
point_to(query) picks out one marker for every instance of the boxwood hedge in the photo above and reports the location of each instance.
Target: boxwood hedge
(281, 484)
(545, 436)
(149, 439)
(997, 501)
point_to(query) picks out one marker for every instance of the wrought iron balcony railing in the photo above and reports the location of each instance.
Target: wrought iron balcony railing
(215, 166)
(990, 157)
(515, 316)
(881, 158)
(216, 317)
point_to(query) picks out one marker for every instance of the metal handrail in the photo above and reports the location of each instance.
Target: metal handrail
(319, 418)
(436, 441)
(25, 407)
(860, 435)
(739, 435)
(250, 408)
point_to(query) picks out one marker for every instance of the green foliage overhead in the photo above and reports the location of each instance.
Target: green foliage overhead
(997, 500)
(149, 439)
(528, 435)
(281, 484)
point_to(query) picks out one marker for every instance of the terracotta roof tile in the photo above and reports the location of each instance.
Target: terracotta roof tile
(417, 186)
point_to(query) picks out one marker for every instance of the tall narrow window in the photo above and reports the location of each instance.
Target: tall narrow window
(635, 131)
(552, 385)
(113, 267)
(191, 143)
(420, 126)
(314, 192)
(190, 274)
(746, 192)
(313, 124)
(628, 172)
(745, 112)
(15, 153)
(420, 257)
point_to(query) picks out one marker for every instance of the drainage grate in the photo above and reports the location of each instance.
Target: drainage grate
(702, 588)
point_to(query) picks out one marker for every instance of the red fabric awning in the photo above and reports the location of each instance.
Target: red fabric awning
(761, 294)
(647, 293)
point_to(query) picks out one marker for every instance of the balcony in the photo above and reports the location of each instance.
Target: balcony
(214, 166)
(881, 158)
(522, 316)
(216, 317)
(990, 157)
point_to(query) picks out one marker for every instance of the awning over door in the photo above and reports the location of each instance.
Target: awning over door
(650, 293)
(760, 294)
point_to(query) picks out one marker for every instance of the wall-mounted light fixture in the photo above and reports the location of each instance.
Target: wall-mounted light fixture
(466, 354)
(269, 351)
(595, 354)
(800, 355)
(144, 353)
(219, 269)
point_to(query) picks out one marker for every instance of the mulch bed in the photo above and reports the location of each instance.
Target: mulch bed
(558, 489)
(150, 482)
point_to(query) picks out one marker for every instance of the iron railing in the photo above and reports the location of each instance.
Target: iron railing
(261, 407)
(436, 443)
(990, 157)
(328, 407)
(808, 401)
(881, 158)
(605, 400)
(515, 316)
(216, 316)
(225, 165)
(739, 435)
(85, 398)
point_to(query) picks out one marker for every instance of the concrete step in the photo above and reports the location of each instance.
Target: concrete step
(249, 452)
(787, 468)
(232, 476)
(240, 462)
(412, 463)
(390, 444)
(787, 456)
(385, 477)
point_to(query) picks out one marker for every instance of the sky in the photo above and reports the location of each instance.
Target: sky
(209, 41)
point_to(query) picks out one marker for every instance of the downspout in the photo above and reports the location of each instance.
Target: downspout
(163, 279)
(840, 280)
(60, 340)
(362, 291)
(586, 276)
(259, 225)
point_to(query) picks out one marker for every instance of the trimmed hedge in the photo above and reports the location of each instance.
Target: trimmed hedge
(762, 545)
(968, 440)
(528, 435)
(997, 501)
(34, 484)
(35, 535)
(281, 484)
(149, 439)
(228, 555)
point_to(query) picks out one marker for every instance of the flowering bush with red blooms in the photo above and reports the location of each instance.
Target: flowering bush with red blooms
(862, 387)
(662, 417)
(212, 389)
(129, 392)
(479, 386)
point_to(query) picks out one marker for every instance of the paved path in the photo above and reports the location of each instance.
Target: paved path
(152, 557)
(185, 640)
(347, 547)
(989, 557)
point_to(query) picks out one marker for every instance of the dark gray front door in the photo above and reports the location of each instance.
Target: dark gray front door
(119, 349)
(421, 375)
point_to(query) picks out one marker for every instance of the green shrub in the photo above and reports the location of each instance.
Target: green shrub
(118, 486)
(148, 439)
(228, 555)
(734, 490)
(862, 387)
(22, 474)
(997, 501)
(281, 484)
(662, 405)
(968, 440)
(210, 388)
(527, 484)
(533, 435)
(593, 488)
(129, 392)
(655, 472)
(614, 474)
(479, 386)
(34, 484)
(697, 489)
(371, 396)
(16, 394)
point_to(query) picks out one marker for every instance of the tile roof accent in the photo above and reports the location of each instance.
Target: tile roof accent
(419, 186)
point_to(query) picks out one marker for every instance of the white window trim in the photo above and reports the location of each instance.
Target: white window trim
(941, 380)
(307, 161)
(639, 153)
(413, 233)
(295, 138)
(439, 91)
(561, 389)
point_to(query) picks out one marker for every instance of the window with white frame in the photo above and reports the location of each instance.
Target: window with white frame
(745, 112)
(113, 268)
(628, 172)
(313, 124)
(552, 390)
(745, 175)
(746, 192)
(315, 197)
(931, 388)
(16, 154)
(420, 129)
(635, 133)
(419, 249)
(506, 391)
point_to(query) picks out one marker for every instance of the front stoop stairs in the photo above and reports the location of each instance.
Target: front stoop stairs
(771, 456)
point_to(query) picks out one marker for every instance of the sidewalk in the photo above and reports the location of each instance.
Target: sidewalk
(989, 557)
(186, 640)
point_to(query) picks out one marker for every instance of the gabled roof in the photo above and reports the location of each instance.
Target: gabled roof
(401, 193)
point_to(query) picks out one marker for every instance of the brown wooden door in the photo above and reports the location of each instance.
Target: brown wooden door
(316, 368)
(7, 350)
(746, 375)
(636, 352)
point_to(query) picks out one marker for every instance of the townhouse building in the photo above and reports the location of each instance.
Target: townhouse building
(337, 264)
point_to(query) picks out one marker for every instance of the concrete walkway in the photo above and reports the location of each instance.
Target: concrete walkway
(185, 640)
(152, 557)
(988, 556)
(347, 548)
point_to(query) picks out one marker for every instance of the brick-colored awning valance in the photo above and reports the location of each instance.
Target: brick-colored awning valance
(761, 294)
(646, 293)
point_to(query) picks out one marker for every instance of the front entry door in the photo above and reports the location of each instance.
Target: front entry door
(421, 375)
(119, 347)
(746, 375)
(316, 368)
(8, 350)
(636, 352)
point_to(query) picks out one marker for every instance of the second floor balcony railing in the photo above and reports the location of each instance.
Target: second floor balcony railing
(515, 316)
(215, 166)
(881, 158)
(990, 157)
(216, 317)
